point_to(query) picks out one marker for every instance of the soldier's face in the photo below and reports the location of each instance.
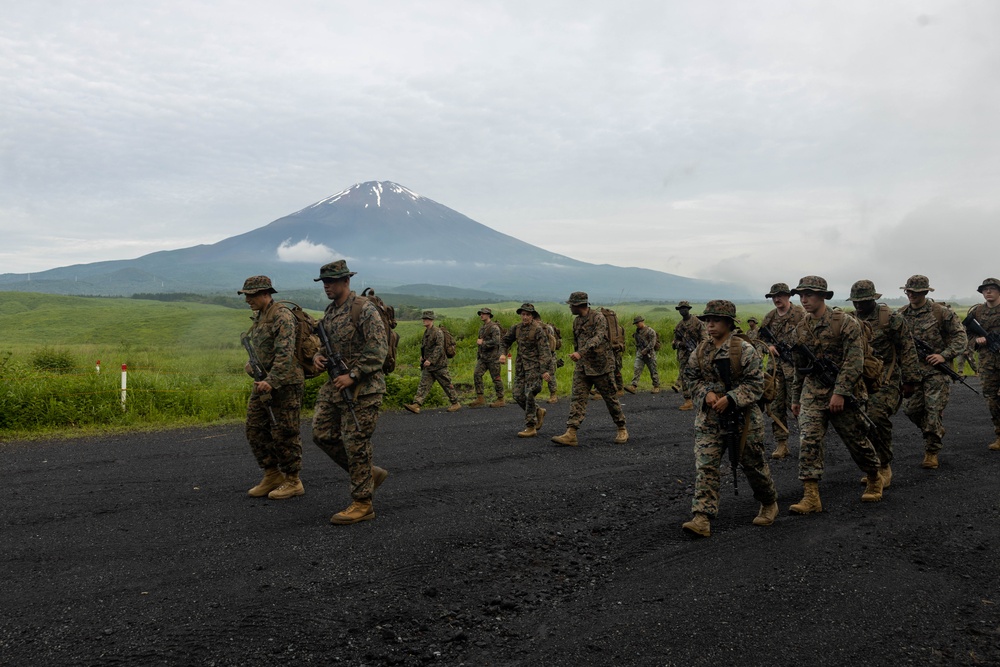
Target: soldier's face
(337, 290)
(685, 313)
(576, 310)
(864, 308)
(780, 301)
(484, 317)
(991, 294)
(811, 301)
(256, 301)
(717, 327)
(916, 298)
(427, 323)
(525, 317)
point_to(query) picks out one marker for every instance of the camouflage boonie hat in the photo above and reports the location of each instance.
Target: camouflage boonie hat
(863, 290)
(753, 319)
(334, 271)
(720, 308)
(813, 284)
(989, 282)
(637, 319)
(256, 284)
(484, 311)
(578, 299)
(527, 308)
(778, 289)
(427, 315)
(918, 283)
(683, 304)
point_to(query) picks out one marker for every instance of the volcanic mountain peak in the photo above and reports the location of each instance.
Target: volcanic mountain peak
(367, 192)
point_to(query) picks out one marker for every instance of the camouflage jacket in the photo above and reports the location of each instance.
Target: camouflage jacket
(846, 350)
(363, 347)
(893, 344)
(990, 319)
(645, 342)
(273, 338)
(946, 338)
(432, 349)
(692, 331)
(489, 332)
(533, 353)
(703, 376)
(590, 339)
(783, 328)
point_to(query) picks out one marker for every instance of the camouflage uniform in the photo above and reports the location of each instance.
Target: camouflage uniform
(847, 351)
(432, 350)
(989, 362)
(534, 359)
(753, 333)
(687, 335)
(272, 336)
(968, 356)
(939, 327)
(703, 377)
(891, 342)
(487, 356)
(364, 348)
(552, 368)
(594, 369)
(645, 354)
(783, 328)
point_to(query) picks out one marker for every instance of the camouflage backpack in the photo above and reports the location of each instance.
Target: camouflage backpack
(555, 336)
(873, 366)
(616, 334)
(388, 315)
(449, 343)
(307, 343)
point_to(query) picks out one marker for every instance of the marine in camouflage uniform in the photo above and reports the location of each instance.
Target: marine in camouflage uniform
(988, 316)
(534, 359)
(645, 355)
(818, 406)
(714, 399)
(487, 349)
(433, 366)
(595, 367)
(688, 334)
(781, 322)
(939, 327)
(277, 447)
(363, 343)
(891, 342)
(553, 385)
(753, 332)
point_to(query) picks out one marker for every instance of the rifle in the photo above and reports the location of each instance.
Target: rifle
(992, 339)
(924, 348)
(784, 349)
(684, 344)
(732, 432)
(258, 372)
(335, 366)
(826, 372)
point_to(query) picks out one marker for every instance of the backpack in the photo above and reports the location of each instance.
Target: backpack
(388, 315)
(616, 334)
(449, 343)
(555, 336)
(307, 343)
(735, 355)
(657, 346)
(873, 366)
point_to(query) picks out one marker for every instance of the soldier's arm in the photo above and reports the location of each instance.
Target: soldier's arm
(508, 340)
(750, 386)
(955, 337)
(436, 352)
(598, 335)
(544, 352)
(376, 342)
(852, 365)
(906, 351)
(283, 370)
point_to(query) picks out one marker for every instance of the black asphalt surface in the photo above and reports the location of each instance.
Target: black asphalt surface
(492, 550)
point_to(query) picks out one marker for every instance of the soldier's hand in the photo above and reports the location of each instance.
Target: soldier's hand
(427, 363)
(545, 377)
(479, 341)
(261, 387)
(795, 409)
(575, 356)
(711, 398)
(981, 341)
(319, 361)
(934, 359)
(836, 403)
(909, 388)
(343, 381)
(721, 404)
(503, 358)
(248, 368)
(773, 349)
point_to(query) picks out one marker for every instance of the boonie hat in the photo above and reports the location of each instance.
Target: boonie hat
(256, 284)
(813, 284)
(427, 315)
(334, 271)
(777, 289)
(863, 290)
(720, 308)
(637, 319)
(918, 283)
(989, 282)
(527, 308)
(753, 319)
(683, 304)
(484, 311)
(578, 299)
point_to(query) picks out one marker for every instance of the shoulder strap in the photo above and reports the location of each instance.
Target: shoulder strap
(837, 325)
(359, 303)
(884, 313)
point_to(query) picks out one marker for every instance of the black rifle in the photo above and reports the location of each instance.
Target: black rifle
(992, 339)
(684, 344)
(924, 349)
(826, 372)
(335, 366)
(784, 349)
(730, 420)
(258, 372)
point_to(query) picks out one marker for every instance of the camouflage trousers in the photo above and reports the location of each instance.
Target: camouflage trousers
(682, 361)
(605, 385)
(990, 375)
(335, 432)
(552, 378)
(708, 461)
(619, 363)
(814, 419)
(645, 362)
(427, 379)
(276, 446)
(780, 407)
(484, 366)
(526, 388)
(882, 405)
(926, 409)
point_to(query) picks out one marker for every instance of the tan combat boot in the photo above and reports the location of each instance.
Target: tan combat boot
(766, 515)
(413, 407)
(292, 487)
(273, 478)
(885, 472)
(539, 418)
(687, 405)
(499, 403)
(552, 397)
(995, 445)
(355, 512)
(568, 438)
(930, 461)
(810, 502)
(454, 407)
(698, 525)
(622, 437)
(479, 402)
(620, 392)
(378, 476)
(630, 388)
(780, 450)
(873, 491)
(656, 390)
(528, 432)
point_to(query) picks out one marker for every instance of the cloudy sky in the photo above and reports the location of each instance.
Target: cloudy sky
(747, 141)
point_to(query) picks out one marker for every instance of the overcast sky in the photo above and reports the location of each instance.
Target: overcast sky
(747, 141)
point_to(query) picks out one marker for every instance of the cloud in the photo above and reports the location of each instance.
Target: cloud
(306, 251)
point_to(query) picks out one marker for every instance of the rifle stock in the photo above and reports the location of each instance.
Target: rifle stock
(924, 348)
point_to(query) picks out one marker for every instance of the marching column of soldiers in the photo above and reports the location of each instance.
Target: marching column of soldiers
(811, 363)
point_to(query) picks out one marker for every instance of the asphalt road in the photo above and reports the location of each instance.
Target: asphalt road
(491, 550)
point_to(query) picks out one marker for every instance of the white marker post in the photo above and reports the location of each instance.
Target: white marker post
(124, 369)
(510, 373)
(98, 366)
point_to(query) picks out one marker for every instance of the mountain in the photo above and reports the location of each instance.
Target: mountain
(391, 236)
